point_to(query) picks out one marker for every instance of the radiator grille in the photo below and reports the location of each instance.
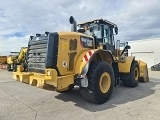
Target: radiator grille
(72, 54)
(71, 60)
(73, 45)
(37, 49)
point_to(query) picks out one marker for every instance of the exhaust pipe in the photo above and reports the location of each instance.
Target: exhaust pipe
(73, 24)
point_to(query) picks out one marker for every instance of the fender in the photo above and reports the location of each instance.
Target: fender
(125, 66)
(83, 62)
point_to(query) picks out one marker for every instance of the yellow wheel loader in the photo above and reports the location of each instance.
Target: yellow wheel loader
(3, 60)
(11, 59)
(86, 57)
(17, 58)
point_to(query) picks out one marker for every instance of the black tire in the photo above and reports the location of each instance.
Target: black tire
(9, 67)
(93, 93)
(133, 76)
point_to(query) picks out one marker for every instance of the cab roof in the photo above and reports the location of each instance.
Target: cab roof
(101, 21)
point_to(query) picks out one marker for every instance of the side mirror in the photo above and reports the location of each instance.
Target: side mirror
(116, 30)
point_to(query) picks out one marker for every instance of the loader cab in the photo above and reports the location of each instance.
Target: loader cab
(102, 31)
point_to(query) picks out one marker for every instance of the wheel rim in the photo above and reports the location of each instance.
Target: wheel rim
(105, 82)
(136, 74)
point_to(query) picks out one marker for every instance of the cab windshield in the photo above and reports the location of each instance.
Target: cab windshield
(94, 30)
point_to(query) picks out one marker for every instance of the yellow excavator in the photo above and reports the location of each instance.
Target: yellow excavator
(86, 57)
(16, 58)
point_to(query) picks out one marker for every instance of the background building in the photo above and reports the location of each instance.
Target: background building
(146, 50)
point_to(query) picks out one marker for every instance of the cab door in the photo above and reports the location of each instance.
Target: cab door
(108, 38)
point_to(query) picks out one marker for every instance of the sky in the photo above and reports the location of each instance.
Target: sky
(19, 19)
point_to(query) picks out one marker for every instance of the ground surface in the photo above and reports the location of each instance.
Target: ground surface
(20, 101)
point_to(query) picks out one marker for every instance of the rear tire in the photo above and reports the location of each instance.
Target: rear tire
(100, 83)
(133, 76)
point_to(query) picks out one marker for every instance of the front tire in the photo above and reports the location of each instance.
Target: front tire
(133, 76)
(100, 83)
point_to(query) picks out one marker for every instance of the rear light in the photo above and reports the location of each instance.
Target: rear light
(48, 73)
(86, 42)
(46, 33)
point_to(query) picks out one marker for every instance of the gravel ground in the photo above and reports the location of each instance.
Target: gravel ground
(20, 101)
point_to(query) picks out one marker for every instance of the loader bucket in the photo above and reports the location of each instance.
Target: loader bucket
(143, 71)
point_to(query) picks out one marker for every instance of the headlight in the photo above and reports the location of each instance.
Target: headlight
(87, 42)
